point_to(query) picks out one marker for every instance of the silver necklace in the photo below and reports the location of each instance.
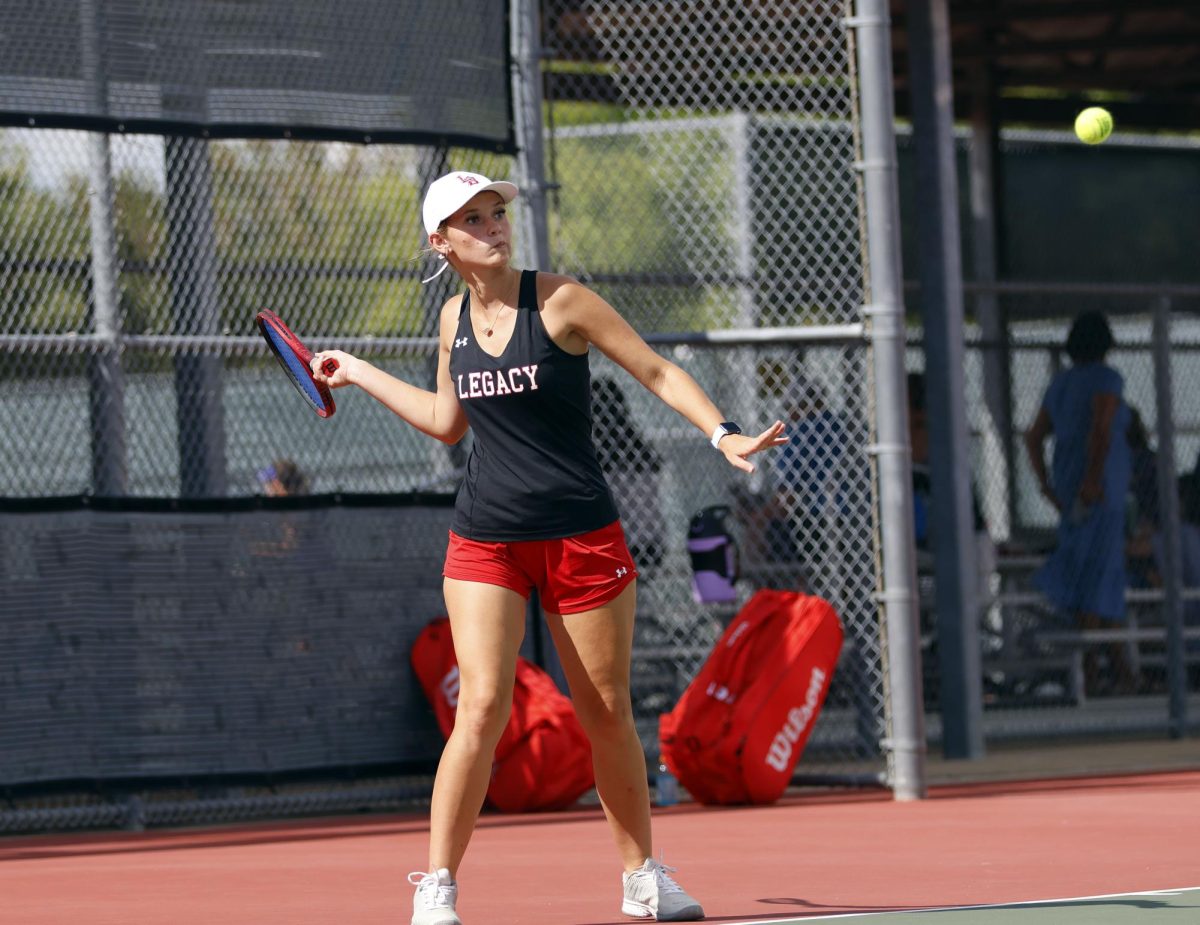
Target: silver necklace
(503, 305)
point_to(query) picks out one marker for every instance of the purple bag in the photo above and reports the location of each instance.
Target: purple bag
(714, 556)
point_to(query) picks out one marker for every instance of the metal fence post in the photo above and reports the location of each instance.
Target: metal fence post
(195, 302)
(106, 381)
(1169, 522)
(940, 273)
(742, 129)
(527, 111)
(985, 166)
(531, 177)
(192, 259)
(899, 593)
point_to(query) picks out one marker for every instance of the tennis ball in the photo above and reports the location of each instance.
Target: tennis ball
(1093, 125)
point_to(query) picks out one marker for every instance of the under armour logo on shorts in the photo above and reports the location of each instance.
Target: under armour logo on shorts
(622, 572)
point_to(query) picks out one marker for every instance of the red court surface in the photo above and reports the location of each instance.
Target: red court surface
(807, 856)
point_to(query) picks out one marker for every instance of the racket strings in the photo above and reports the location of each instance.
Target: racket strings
(298, 370)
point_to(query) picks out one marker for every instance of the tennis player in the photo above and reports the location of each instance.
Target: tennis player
(534, 511)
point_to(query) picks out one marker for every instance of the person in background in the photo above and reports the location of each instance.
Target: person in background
(534, 510)
(283, 478)
(812, 496)
(1088, 484)
(1189, 560)
(922, 482)
(918, 435)
(1142, 514)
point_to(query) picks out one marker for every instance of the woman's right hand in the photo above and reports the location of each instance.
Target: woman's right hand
(737, 447)
(345, 374)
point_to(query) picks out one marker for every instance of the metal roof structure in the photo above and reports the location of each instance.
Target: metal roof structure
(1044, 59)
(1039, 60)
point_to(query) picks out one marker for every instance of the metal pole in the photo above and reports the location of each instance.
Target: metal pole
(192, 264)
(1169, 522)
(527, 111)
(432, 163)
(192, 272)
(106, 380)
(983, 164)
(940, 274)
(894, 465)
(745, 401)
(741, 141)
(531, 177)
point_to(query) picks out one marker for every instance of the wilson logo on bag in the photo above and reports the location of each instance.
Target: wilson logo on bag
(738, 730)
(795, 729)
(543, 760)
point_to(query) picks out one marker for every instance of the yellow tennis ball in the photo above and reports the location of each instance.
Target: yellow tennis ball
(1093, 125)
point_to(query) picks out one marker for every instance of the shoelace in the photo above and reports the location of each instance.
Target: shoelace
(662, 875)
(432, 893)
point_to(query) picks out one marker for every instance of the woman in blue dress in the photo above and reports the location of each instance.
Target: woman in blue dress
(1084, 410)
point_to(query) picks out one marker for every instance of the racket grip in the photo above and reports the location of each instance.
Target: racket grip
(329, 367)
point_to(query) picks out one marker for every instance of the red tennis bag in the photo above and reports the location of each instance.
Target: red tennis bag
(543, 760)
(736, 733)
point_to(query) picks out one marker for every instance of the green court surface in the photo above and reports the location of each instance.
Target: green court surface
(1163, 907)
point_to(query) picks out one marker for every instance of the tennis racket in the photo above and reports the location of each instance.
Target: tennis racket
(296, 360)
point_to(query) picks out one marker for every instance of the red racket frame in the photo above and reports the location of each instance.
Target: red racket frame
(267, 318)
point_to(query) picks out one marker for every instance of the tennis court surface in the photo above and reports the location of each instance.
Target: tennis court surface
(1113, 849)
(1168, 906)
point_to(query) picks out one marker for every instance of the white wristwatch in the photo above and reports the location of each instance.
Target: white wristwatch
(723, 429)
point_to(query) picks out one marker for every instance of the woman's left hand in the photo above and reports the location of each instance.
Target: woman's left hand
(347, 366)
(737, 447)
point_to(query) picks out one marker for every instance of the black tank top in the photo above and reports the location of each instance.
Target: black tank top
(532, 473)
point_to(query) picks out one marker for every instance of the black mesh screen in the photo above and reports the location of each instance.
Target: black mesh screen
(429, 71)
(159, 640)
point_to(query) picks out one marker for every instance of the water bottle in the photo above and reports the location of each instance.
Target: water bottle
(666, 787)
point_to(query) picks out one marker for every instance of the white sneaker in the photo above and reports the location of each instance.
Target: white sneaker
(433, 903)
(651, 893)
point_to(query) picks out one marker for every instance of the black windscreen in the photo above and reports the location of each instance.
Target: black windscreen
(420, 71)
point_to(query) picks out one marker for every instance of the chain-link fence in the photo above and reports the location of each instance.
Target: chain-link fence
(714, 189)
(161, 387)
(702, 160)
(702, 175)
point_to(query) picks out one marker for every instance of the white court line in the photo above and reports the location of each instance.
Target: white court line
(1025, 902)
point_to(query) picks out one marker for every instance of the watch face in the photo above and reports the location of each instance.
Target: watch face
(731, 428)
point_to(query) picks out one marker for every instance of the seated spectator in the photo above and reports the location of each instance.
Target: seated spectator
(810, 473)
(283, 478)
(1189, 548)
(1143, 498)
(1189, 541)
(918, 430)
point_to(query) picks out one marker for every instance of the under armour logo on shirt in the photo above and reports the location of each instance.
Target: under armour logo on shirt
(461, 341)
(622, 572)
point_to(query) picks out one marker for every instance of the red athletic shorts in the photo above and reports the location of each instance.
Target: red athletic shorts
(572, 574)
